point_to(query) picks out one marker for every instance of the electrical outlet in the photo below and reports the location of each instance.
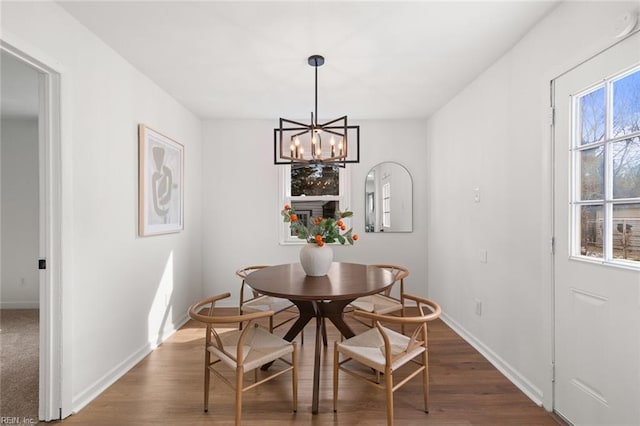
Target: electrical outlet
(478, 308)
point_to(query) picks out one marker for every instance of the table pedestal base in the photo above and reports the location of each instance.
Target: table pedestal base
(332, 310)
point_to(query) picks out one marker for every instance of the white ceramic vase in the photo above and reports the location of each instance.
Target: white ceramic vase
(316, 260)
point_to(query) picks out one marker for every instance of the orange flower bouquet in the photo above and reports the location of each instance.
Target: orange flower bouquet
(320, 230)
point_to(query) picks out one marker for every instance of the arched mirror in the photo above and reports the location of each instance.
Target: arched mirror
(388, 199)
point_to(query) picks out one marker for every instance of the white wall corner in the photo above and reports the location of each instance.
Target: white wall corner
(87, 395)
(528, 388)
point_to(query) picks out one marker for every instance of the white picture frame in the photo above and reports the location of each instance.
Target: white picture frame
(160, 183)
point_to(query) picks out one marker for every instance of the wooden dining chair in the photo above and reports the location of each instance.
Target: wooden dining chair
(384, 302)
(385, 350)
(241, 350)
(257, 302)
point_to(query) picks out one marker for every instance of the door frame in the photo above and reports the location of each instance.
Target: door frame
(54, 361)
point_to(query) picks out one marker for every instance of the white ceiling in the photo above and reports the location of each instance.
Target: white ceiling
(249, 59)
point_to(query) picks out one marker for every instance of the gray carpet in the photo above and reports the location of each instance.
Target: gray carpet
(19, 354)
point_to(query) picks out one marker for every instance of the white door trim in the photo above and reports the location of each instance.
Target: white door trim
(54, 373)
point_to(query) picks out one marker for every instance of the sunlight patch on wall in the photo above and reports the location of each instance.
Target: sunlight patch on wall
(160, 313)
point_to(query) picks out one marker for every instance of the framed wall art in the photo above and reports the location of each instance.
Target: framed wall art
(160, 183)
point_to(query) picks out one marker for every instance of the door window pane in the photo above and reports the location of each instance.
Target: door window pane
(626, 168)
(592, 174)
(606, 167)
(626, 231)
(626, 105)
(592, 116)
(591, 218)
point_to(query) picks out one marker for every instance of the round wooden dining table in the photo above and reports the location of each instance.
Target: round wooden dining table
(320, 297)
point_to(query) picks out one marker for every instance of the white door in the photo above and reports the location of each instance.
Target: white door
(597, 297)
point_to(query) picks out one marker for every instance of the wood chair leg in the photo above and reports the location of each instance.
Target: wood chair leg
(295, 377)
(239, 377)
(389, 391)
(207, 380)
(425, 380)
(336, 357)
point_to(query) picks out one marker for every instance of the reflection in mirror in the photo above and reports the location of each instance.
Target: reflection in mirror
(388, 199)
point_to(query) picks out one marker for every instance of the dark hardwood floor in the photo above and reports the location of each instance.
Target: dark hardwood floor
(166, 389)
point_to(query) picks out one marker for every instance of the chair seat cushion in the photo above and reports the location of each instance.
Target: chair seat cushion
(377, 303)
(368, 348)
(266, 303)
(260, 347)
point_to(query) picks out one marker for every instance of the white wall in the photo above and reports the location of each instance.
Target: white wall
(121, 293)
(242, 211)
(495, 136)
(20, 238)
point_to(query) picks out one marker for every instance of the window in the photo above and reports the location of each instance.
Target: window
(313, 191)
(606, 165)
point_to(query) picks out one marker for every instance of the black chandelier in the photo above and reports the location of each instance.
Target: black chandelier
(297, 143)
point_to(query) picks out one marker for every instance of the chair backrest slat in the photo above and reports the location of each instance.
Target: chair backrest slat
(243, 273)
(399, 274)
(419, 334)
(211, 319)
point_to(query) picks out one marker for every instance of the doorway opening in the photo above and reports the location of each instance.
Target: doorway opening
(20, 231)
(31, 249)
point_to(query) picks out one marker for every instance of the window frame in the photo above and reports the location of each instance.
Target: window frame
(343, 198)
(608, 202)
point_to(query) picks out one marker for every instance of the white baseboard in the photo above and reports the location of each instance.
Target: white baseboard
(19, 305)
(511, 373)
(79, 401)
